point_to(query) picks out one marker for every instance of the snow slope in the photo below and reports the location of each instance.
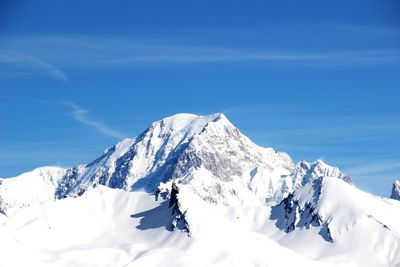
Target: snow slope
(107, 227)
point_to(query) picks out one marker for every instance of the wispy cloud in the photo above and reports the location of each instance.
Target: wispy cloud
(52, 54)
(28, 61)
(365, 29)
(207, 55)
(87, 51)
(80, 114)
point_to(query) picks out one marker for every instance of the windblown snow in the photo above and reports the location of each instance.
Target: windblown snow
(194, 191)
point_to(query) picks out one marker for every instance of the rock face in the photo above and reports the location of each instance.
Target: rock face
(178, 217)
(206, 154)
(395, 190)
(296, 212)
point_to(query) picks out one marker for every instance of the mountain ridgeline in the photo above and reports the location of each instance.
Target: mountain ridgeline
(206, 153)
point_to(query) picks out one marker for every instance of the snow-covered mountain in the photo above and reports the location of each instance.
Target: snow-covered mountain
(205, 152)
(395, 190)
(199, 174)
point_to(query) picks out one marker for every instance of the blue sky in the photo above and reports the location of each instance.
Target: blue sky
(317, 79)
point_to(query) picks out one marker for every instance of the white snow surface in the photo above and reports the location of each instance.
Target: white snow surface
(364, 228)
(240, 205)
(111, 227)
(31, 188)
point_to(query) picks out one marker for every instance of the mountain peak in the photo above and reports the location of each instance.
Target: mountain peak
(306, 172)
(191, 116)
(187, 121)
(396, 190)
(155, 156)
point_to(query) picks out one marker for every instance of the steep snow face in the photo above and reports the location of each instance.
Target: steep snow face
(31, 188)
(351, 223)
(206, 153)
(396, 190)
(105, 170)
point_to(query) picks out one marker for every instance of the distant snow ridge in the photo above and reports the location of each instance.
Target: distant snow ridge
(296, 212)
(31, 188)
(306, 172)
(396, 190)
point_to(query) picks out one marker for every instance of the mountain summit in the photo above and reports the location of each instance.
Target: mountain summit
(206, 153)
(184, 147)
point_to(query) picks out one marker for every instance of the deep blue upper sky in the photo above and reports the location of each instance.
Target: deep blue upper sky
(317, 79)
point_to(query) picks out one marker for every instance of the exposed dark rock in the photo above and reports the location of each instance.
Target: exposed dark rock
(395, 190)
(289, 214)
(178, 221)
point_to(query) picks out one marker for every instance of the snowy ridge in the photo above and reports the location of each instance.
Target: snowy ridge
(344, 217)
(31, 188)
